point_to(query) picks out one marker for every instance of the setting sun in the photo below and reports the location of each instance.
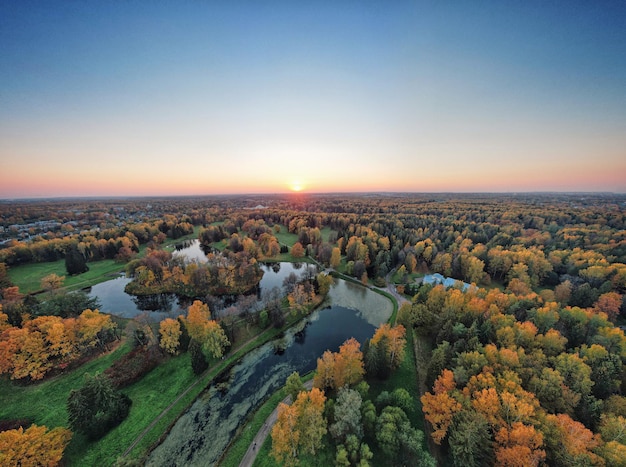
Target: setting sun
(296, 186)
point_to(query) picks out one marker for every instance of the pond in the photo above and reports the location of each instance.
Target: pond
(116, 302)
(203, 432)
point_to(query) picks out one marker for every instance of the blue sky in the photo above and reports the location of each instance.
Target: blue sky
(191, 97)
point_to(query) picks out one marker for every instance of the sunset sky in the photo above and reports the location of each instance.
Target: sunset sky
(199, 97)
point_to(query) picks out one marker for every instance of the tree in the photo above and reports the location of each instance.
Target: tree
(570, 442)
(335, 370)
(215, 340)
(52, 282)
(335, 258)
(206, 332)
(399, 440)
(385, 350)
(33, 446)
(610, 304)
(470, 440)
(96, 407)
(75, 261)
(347, 416)
(299, 427)
(324, 281)
(169, 330)
(297, 250)
(286, 436)
(439, 407)
(294, 385)
(519, 445)
(198, 360)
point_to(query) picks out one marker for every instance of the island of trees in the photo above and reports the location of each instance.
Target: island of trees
(520, 362)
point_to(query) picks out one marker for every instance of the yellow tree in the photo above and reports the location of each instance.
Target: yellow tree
(335, 257)
(170, 332)
(204, 330)
(395, 339)
(52, 282)
(335, 370)
(300, 426)
(33, 446)
(311, 421)
(286, 436)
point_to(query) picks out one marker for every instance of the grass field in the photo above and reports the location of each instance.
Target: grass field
(44, 403)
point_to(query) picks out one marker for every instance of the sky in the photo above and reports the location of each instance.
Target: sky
(134, 98)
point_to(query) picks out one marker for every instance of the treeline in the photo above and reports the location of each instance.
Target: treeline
(51, 343)
(94, 245)
(519, 380)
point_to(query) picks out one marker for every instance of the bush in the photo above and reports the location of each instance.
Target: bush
(133, 366)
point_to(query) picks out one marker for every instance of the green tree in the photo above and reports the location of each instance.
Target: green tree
(75, 261)
(399, 440)
(347, 416)
(198, 361)
(470, 440)
(294, 385)
(96, 407)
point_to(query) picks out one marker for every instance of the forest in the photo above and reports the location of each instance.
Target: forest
(525, 367)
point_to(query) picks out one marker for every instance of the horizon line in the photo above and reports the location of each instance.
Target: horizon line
(304, 193)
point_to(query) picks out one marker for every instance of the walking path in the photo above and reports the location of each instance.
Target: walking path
(259, 439)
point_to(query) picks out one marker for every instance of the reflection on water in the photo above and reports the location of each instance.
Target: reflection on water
(202, 433)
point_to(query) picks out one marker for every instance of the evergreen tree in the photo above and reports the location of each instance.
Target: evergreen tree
(96, 407)
(75, 262)
(198, 360)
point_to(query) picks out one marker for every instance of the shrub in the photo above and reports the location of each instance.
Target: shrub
(133, 366)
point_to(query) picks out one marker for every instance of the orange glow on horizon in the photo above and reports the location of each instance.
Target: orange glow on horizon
(296, 186)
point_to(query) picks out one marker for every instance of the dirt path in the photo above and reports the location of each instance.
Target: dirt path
(265, 430)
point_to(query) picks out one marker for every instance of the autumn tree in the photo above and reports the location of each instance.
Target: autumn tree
(294, 385)
(440, 407)
(299, 427)
(34, 446)
(297, 250)
(609, 303)
(519, 446)
(300, 297)
(336, 370)
(205, 331)
(52, 282)
(169, 330)
(385, 350)
(335, 258)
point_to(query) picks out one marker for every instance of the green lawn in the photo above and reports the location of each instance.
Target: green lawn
(44, 403)
(286, 238)
(28, 276)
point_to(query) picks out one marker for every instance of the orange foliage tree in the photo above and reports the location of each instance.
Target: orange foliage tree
(336, 370)
(33, 446)
(299, 427)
